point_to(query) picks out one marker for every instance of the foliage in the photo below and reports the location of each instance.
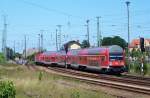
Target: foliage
(145, 68)
(75, 94)
(85, 44)
(31, 57)
(135, 64)
(10, 53)
(7, 89)
(18, 55)
(2, 58)
(136, 53)
(116, 40)
(27, 85)
(40, 76)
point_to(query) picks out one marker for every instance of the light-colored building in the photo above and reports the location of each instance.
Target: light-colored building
(73, 45)
(30, 51)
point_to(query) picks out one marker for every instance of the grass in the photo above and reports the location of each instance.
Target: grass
(148, 68)
(28, 85)
(8, 64)
(136, 70)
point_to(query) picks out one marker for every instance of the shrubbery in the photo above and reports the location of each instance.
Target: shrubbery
(2, 59)
(40, 76)
(137, 58)
(7, 89)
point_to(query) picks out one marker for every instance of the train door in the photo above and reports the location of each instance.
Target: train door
(82, 60)
(103, 61)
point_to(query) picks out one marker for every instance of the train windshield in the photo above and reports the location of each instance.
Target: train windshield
(116, 57)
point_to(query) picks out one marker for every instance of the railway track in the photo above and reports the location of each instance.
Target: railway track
(124, 83)
(136, 77)
(124, 79)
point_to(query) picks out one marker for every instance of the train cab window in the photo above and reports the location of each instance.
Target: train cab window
(116, 57)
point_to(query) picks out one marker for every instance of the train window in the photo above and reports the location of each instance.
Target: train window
(85, 58)
(69, 58)
(80, 58)
(103, 58)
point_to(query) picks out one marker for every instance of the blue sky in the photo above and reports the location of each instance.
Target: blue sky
(29, 17)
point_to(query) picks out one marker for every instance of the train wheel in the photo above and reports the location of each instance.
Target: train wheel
(68, 66)
(103, 71)
(81, 67)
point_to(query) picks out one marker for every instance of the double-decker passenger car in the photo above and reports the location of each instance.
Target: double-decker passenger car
(47, 58)
(104, 59)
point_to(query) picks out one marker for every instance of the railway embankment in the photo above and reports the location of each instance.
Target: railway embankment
(31, 83)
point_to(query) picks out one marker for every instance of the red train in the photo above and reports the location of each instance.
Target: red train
(105, 59)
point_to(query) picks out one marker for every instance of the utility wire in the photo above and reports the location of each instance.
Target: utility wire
(49, 9)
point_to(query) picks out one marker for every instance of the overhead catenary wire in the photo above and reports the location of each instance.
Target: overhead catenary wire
(50, 9)
(106, 20)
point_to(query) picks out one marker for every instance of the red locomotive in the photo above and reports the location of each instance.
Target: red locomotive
(104, 59)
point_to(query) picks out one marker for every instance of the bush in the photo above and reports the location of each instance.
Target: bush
(137, 68)
(31, 57)
(145, 68)
(40, 76)
(7, 89)
(2, 58)
(75, 94)
(148, 68)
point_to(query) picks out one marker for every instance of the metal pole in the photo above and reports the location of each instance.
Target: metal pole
(4, 38)
(56, 41)
(39, 46)
(14, 48)
(25, 47)
(98, 33)
(41, 40)
(59, 36)
(88, 39)
(127, 3)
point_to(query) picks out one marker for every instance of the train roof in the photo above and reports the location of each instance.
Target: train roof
(98, 50)
(61, 52)
(49, 52)
(88, 51)
(115, 48)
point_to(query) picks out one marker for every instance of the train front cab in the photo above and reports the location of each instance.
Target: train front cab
(116, 63)
(116, 60)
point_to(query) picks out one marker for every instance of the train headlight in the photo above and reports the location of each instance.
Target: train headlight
(110, 63)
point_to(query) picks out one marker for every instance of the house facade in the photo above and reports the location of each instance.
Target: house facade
(135, 44)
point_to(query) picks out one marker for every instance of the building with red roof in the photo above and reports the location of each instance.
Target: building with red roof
(135, 43)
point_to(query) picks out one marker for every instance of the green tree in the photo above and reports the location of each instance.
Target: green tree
(116, 40)
(18, 55)
(10, 53)
(31, 57)
(107, 41)
(2, 59)
(85, 44)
